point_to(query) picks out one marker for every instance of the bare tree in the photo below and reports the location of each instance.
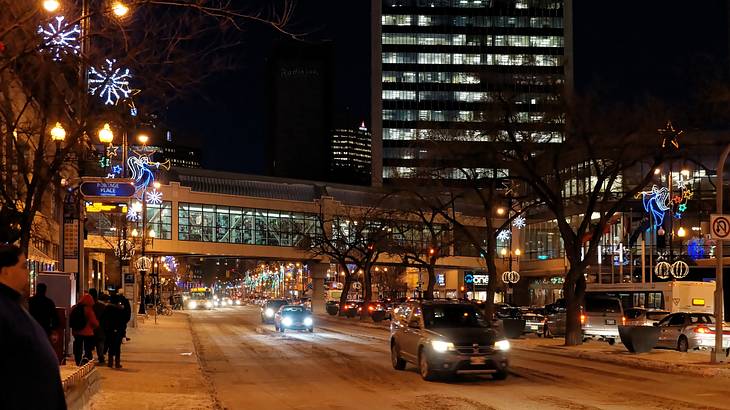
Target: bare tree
(612, 153)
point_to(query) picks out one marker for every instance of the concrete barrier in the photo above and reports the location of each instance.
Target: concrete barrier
(80, 386)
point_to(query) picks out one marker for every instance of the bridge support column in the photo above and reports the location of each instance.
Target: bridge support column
(318, 270)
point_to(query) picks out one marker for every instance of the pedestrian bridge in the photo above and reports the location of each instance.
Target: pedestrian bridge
(210, 213)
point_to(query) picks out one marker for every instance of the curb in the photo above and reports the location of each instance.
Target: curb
(80, 386)
(676, 368)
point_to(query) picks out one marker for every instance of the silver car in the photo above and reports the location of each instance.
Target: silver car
(643, 316)
(601, 317)
(690, 331)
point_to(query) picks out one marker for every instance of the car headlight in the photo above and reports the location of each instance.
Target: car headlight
(269, 312)
(192, 304)
(441, 346)
(502, 345)
(308, 321)
(216, 303)
(286, 321)
(208, 305)
(238, 302)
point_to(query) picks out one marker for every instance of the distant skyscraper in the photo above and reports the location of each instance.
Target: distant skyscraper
(300, 109)
(442, 67)
(351, 160)
(178, 155)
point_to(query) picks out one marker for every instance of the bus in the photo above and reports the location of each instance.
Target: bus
(675, 296)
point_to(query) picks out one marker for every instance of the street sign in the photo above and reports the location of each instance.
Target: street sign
(112, 189)
(719, 226)
(98, 207)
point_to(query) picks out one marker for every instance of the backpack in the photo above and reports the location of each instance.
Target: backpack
(77, 318)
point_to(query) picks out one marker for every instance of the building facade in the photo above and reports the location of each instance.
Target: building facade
(351, 155)
(443, 70)
(300, 109)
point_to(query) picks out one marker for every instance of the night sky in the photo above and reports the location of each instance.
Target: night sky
(625, 51)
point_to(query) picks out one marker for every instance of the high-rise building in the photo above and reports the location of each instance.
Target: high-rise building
(351, 152)
(300, 109)
(178, 155)
(446, 67)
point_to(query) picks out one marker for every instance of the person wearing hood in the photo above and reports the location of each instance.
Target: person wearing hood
(83, 330)
(29, 376)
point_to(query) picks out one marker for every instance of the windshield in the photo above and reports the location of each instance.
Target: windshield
(293, 309)
(702, 319)
(275, 304)
(656, 315)
(199, 295)
(445, 316)
(603, 305)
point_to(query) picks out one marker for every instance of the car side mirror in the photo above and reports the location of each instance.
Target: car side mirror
(414, 324)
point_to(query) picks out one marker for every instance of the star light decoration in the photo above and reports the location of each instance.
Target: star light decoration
(109, 82)
(117, 169)
(503, 235)
(519, 222)
(154, 197)
(60, 38)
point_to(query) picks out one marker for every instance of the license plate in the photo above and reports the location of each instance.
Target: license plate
(610, 322)
(478, 360)
(533, 327)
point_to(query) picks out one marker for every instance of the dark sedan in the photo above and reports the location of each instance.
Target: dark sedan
(447, 338)
(293, 317)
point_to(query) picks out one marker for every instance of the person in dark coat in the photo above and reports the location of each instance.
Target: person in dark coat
(84, 337)
(99, 336)
(127, 310)
(29, 370)
(112, 320)
(43, 310)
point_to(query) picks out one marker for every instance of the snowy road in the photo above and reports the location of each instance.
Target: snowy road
(348, 367)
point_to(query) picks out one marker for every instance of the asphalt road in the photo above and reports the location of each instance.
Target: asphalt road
(343, 366)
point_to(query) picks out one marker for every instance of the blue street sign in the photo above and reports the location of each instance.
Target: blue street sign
(112, 189)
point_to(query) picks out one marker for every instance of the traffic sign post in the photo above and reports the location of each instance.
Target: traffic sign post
(719, 226)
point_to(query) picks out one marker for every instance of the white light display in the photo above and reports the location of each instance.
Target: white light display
(109, 82)
(132, 215)
(519, 222)
(504, 235)
(154, 197)
(60, 38)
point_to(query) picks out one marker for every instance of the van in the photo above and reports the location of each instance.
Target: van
(600, 318)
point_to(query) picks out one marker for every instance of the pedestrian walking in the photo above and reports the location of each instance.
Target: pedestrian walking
(114, 324)
(99, 336)
(83, 322)
(29, 372)
(127, 311)
(43, 310)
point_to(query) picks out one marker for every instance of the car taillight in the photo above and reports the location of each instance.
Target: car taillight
(623, 320)
(703, 330)
(371, 308)
(582, 319)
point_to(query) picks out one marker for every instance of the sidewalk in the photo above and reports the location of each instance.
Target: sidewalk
(662, 360)
(160, 370)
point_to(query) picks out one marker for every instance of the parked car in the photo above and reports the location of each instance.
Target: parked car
(294, 317)
(600, 318)
(556, 316)
(534, 323)
(690, 331)
(644, 317)
(269, 309)
(445, 338)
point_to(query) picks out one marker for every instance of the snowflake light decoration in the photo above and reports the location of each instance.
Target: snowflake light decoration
(60, 38)
(519, 222)
(503, 235)
(132, 215)
(110, 82)
(154, 197)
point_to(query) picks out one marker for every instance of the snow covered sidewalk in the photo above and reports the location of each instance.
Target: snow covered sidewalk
(160, 370)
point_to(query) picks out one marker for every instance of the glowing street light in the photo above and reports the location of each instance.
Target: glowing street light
(58, 134)
(120, 9)
(51, 5)
(500, 211)
(143, 138)
(106, 136)
(681, 232)
(152, 233)
(134, 232)
(503, 252)
(518, 252)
